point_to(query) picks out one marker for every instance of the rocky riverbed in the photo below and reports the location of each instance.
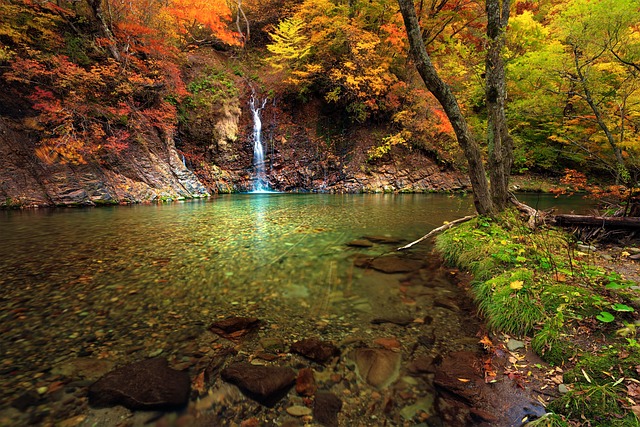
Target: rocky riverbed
(399, 345)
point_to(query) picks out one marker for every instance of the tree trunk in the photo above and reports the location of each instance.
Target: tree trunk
(621, 171)
(442, 92)
(499, 140)
(105, 31)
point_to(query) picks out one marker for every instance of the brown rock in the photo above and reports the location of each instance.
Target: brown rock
(422, 365)
(234, 328)
(388, 343)
(315, 349)
(396, 320)
(395, 264)
(360, 243)
(306, 382)
(326, 407)
(458, 374)
(264, 384)
(149, 384)
(376, 366)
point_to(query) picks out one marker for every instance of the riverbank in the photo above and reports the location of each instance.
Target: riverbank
(573, 304)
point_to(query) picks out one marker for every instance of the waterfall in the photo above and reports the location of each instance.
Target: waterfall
(260, 184)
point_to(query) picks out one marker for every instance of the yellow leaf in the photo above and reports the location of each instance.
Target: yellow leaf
(464, 380)
(516, 284)
(625, 254)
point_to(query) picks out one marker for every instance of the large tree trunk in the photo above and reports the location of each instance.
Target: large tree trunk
(443, 94)
(500, 142)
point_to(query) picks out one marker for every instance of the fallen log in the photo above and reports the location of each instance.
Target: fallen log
(632, 223)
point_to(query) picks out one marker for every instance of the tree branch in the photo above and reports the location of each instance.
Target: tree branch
(438, 230)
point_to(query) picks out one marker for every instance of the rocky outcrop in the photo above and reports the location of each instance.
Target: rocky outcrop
(148, 170)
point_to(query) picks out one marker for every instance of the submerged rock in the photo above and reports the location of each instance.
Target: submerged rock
(315, 349)
(234, 328)
(306, 382)
(264, 384)
(376, 366)
(326, 407)
(360, 243)
(396, 320)
(394, 264)
(149, 384)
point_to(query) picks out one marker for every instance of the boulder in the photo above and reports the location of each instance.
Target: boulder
(264, 384)
(317, 350)
(149, 384)
(326, 406)
(376, 366)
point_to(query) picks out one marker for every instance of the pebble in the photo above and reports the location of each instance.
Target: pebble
(299, 411)
(514, 345)
(563, 389)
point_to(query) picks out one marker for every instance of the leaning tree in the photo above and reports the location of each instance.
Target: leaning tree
(492, 198)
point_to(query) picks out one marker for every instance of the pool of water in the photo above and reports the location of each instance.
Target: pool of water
(122, 283)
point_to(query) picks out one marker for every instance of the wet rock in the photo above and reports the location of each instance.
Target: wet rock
(149, 384)
(376, 366)
(459, 376)
(422, 365)
(326, 407)
(362, 261)
(394, 264)
(317, 350)
(299, 411)
(360, 243)
(481, 415)
(233, 328)
(306, 382)
(383, 239)
(264, 384)
(396, 320)
(514, 345)
(273, 345)
(389, 343)
(427, 340)
(26, 400)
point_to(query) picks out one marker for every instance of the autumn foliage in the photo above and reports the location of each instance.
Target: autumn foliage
(88, 104)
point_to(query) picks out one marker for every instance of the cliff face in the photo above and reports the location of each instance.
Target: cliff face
(215, 156)
(147, 171)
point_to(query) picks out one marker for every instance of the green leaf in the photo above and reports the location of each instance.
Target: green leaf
(622, 307)
(605, 317)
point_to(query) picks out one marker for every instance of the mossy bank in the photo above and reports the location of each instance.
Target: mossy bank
(545, 286)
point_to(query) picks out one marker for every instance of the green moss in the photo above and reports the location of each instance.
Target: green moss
(549, 420)
(551, 344)
(532, 283)
(599, 368)
(598, 403)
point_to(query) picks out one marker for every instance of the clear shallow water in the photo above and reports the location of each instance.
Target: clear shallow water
(124, 283)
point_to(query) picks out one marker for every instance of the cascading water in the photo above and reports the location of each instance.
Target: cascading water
(260, 184)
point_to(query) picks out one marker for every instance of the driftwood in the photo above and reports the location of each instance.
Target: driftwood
(632, 223)
(438, 230)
